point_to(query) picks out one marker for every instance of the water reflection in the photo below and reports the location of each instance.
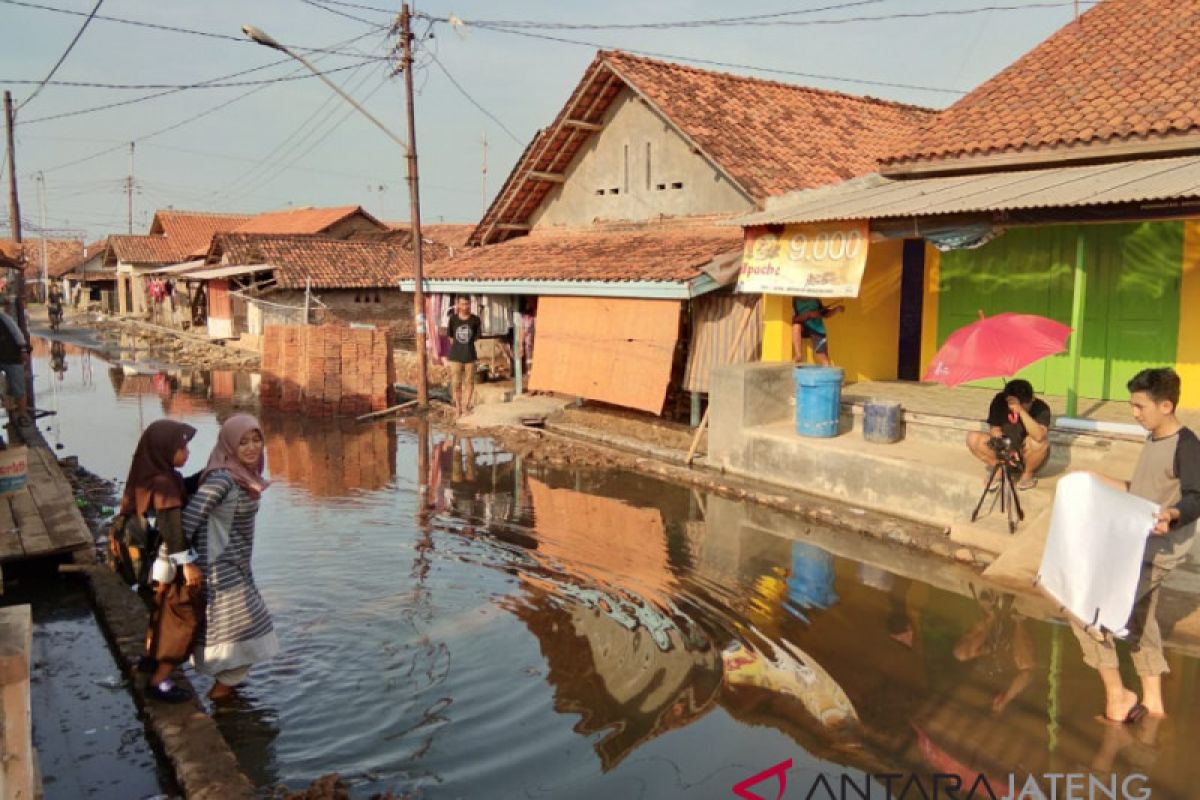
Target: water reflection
(460, 623)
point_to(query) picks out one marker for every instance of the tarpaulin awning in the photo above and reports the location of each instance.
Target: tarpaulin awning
(716, 319)
(615, 351)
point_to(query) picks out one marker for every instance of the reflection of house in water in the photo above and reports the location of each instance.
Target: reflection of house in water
(600, 606)
(330, 457)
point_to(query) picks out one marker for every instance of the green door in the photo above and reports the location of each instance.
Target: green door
(1131, 317)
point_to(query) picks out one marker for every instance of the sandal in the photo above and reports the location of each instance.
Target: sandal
(170, 694)
(1027, 484)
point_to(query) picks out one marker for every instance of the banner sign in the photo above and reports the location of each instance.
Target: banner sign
(811, 260)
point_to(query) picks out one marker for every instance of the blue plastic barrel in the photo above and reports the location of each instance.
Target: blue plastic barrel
(881, 421)
(818, 400)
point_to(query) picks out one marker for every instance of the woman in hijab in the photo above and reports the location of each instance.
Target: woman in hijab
(237, 632)
(155, 489)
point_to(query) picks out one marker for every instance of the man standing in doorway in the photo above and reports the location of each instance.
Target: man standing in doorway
(463, 328)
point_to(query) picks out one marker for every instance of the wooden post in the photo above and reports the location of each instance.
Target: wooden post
(518, 353)
(1078, 308)
(737, 342)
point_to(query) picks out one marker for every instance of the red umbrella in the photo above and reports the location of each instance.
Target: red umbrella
(997, 346)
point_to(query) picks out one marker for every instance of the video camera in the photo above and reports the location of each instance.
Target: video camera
(1002, 446)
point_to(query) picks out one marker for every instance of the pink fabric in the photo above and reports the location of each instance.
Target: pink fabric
(224, 455)
(999, 346)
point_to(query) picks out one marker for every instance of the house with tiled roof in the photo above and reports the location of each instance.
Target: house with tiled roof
(50, 257)
(1068, 185)
(623, 197)
(339, 222)
(249, 280)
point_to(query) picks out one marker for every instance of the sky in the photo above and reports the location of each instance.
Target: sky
(292, 142)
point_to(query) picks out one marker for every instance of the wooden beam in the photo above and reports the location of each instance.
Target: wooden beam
(583, 126)
(549, 177)
(17, 778)
(512, 226)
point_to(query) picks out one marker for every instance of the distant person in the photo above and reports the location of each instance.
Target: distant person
(1024, 421)
(463, 329)
(808, 322)
(14, 354)
(1167, 473)
(238, 631)
(155, 491)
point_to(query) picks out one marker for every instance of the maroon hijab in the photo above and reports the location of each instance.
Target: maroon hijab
(153, 481)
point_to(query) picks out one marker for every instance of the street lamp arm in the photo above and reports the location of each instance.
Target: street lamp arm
(261, 37)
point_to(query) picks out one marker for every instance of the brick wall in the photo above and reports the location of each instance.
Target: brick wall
(326, 370)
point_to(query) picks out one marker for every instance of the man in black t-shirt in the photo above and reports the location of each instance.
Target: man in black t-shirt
(463, 329)
(1016, 415)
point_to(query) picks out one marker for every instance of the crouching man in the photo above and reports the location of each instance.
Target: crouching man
(1015, 414)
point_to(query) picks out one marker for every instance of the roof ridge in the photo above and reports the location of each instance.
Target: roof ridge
(622, 54)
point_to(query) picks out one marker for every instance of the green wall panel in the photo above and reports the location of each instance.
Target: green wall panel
(1131, 319)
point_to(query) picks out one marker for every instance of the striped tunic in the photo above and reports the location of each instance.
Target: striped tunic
(237, 629)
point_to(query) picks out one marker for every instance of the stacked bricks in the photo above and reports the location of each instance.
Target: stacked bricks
(326, 370)
(329, 458)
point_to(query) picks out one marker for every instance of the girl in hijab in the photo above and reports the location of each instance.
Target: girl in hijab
(155, 489)
(237, 631)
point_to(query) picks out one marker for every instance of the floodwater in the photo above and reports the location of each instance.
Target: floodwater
(549, 633)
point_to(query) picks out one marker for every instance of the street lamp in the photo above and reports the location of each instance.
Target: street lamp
(260, 36)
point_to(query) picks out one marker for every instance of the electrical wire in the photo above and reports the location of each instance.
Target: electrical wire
(160, 27)
(87, 21)
(473, 101)
(344, 14)
(181, 86)
(725, 64)
(774, 19)
(188, 120)
(344, 4)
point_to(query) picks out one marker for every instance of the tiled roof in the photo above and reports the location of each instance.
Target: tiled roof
(299, 220)
(60, 253)
(1126, 70)
(191, 231)
(330, 263)
(8, 254)
(445, 233)
(768, 137)
(668, 254)
(144, 249)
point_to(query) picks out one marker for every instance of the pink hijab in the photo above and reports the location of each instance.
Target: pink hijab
(224, 455)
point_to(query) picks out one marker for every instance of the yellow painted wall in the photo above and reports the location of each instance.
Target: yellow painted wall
(929, 308)
(1188, 353)
(865, 340)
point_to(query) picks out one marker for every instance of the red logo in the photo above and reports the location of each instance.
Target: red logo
(779, 772)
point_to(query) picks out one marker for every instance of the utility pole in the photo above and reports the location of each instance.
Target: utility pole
(414, 201)
(41, 182)
(129, 189)
(14, 216)
(483, 172)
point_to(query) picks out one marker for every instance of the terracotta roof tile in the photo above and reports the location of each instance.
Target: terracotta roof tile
(330, 263)
(297, 220)
(191, 232)
(145, 249)
(61, 254)
(1128, 69)
(670, 254)
(769, 137)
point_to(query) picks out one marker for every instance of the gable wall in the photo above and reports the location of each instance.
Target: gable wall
(611, 178)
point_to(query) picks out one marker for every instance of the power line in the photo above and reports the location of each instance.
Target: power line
(473, 101)
(775, 19)
(87, 21)
(344, 14)
(724, 64)
(160, 27)
(181, 86)
(769, 18)
(194, 117)
(344, 4)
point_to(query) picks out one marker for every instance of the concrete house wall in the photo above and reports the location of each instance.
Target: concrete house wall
(637, 168)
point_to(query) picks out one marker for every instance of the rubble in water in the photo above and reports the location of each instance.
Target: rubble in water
(176, 347)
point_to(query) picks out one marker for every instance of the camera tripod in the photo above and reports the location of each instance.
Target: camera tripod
(1010, 503)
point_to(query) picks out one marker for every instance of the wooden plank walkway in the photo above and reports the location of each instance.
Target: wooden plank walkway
(41, 519)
